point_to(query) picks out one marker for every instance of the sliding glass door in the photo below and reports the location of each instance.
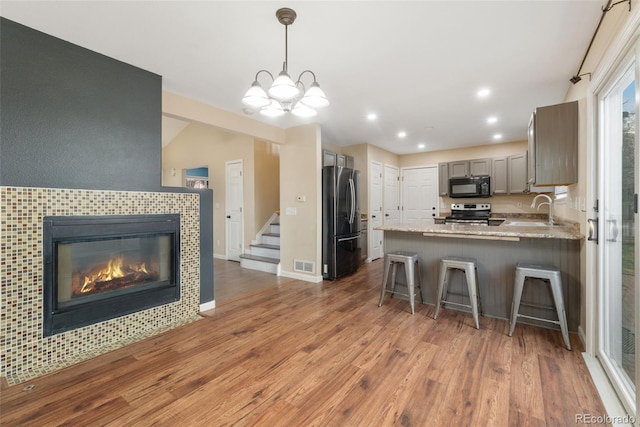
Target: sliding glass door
(617, 243)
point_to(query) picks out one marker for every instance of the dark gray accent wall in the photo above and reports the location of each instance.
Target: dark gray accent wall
(73, 118)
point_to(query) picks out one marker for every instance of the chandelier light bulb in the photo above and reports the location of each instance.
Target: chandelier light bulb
(315, 97)
(256, 96)
(273, 110)
(283, 88)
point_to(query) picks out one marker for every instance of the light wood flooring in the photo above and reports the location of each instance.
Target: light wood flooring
(303, 354)
(232, 281)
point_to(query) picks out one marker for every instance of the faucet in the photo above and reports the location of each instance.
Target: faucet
(550, 203)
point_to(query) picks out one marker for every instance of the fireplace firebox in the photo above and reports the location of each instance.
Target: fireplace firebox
(97, 268)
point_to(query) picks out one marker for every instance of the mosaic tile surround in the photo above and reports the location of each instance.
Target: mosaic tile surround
(25, 353)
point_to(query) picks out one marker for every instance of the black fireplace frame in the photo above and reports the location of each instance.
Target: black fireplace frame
(65, 229)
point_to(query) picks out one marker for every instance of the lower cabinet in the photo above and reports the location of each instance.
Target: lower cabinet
(364, 239)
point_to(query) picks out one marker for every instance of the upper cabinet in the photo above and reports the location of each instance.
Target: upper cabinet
(443, 179)
(480, 167)
(499, 178)
(459, 169)
(517, 174)
(329, 158)
(464, 168)
(553, 145)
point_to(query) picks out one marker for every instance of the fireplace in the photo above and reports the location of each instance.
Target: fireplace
(98, 268)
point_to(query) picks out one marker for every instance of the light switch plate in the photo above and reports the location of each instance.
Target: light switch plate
(291, 211)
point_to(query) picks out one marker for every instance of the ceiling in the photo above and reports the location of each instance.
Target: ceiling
(416, 64)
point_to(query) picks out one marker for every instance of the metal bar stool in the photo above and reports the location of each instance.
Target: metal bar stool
(411, 269)
(551, 275)
(469, 267)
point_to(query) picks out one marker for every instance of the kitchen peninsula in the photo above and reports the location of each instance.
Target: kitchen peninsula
(497, 250)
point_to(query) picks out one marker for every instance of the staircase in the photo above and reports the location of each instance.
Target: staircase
(265, 255)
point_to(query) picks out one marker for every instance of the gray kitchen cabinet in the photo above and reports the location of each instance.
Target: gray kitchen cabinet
(443, 179)
(499, 176)
(328, 158)
(517, 174)
(480, 167)
(553, 145)
(459, 169)
(349, 161)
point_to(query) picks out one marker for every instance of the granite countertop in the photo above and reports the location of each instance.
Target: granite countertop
(505, 231)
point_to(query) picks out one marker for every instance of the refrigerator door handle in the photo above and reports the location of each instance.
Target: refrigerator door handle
(353, 200)
(348, 238)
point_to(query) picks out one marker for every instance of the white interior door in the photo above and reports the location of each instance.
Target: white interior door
(419, 194)
(618, 287)
(375, 211)
(234, 196)
(391, 195)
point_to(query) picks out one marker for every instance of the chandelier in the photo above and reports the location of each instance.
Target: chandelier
(285, 95)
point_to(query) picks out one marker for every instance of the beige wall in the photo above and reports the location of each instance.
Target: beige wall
(267, 181)
(199, 145)
(432, 158)
(300, 166)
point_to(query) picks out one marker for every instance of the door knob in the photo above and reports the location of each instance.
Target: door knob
(228, 216)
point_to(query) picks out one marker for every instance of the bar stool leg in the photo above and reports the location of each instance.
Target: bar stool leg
(442, 276)
(478, 290)
(470, 273)
(517, 295)
(409, 270)
(385, 277)
(419, 280)
(394, 272)
(556, 290)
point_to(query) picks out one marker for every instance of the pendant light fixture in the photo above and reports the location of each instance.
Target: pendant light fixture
(285, 95)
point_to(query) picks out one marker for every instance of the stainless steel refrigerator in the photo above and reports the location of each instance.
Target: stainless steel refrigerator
(340, 221)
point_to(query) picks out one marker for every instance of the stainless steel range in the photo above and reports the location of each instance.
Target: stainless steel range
(469, 213)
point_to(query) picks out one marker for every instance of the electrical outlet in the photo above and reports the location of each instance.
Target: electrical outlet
(218, 242)
(519, 205)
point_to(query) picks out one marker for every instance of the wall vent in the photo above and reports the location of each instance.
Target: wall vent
(304, 266)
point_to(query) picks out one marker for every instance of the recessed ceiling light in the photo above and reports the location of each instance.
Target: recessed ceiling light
(491, 120)
(402, 134)
(421, 146)
(484, 92)
(372, 116)
(497, 136)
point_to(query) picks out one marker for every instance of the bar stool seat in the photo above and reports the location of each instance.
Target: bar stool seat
(551, 275)
(412, 270)
(469, 267)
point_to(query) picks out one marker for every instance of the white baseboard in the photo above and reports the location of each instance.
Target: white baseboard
(208, 306)
(217, 256)
(582, 336)
(304, 277)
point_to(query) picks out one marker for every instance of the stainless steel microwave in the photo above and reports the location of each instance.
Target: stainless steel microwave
(474, 186)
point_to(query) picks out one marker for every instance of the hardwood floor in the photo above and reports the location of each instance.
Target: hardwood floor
(232, 281)
(320, 355)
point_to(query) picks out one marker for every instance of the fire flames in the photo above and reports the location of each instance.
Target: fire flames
(115, 275)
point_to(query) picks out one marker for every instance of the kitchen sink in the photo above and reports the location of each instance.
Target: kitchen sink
(527, 223)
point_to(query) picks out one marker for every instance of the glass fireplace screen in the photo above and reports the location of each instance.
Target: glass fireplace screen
(89, 270)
